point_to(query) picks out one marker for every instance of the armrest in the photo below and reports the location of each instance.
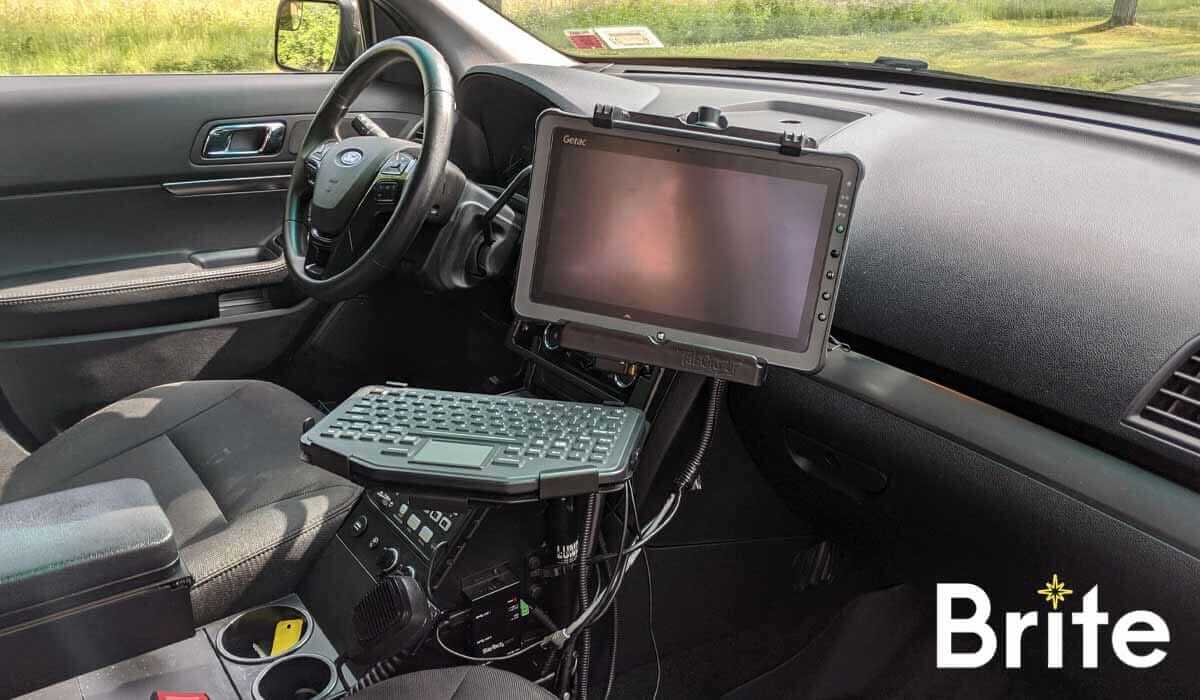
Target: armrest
(77, 541)
(88, 577)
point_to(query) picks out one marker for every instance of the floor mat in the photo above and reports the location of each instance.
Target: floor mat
(882, 645)
(714, 666)
(769, 635)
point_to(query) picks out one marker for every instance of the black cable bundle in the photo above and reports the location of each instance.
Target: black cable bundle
(378, 673)
(587, 540)
(716, 394)
(627, 556)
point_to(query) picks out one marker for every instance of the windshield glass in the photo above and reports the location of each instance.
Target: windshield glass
(1148, 48)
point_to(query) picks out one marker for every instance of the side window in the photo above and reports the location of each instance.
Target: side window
(82, 37)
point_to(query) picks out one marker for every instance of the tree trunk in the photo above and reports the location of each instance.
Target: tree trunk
(1123, 14)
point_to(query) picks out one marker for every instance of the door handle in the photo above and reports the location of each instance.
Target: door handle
(244, 140)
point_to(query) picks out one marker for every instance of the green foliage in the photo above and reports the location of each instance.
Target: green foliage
(693, 22)
(312, 45)
(1056, 42)
(712, 21)
(54, 37)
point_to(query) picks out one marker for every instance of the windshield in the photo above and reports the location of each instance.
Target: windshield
(1147, 48)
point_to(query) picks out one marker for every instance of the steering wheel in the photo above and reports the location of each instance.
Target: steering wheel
(334, 177)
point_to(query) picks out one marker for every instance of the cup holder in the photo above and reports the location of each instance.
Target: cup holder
(297, 677)
(264, 634)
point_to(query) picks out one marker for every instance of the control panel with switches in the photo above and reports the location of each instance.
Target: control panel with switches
(389, 534)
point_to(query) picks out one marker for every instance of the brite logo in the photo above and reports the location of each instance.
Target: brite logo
(1138, 637)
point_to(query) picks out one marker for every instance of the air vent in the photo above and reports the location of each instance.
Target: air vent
(1172, 410)
(418, 133)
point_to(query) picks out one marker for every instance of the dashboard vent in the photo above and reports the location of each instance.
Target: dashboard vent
(418, 133)
(1172, 411)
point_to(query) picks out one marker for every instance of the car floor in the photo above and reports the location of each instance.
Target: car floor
(878, 644)
(718, 664)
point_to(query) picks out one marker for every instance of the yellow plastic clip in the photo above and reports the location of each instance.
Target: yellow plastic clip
(287, 635)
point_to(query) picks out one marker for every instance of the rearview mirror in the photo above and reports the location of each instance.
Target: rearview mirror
(317, 35)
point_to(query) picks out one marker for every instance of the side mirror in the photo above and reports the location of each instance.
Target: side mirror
(317, 35)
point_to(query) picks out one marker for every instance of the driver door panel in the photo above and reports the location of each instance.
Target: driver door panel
(130, 259)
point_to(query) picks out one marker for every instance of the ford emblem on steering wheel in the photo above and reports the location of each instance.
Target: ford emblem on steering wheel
(350, 156)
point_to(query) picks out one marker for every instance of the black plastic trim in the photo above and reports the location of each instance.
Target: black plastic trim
(1161, 432)
(1145, 500)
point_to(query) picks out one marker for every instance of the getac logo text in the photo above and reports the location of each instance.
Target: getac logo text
(574, 140)
(707, 363)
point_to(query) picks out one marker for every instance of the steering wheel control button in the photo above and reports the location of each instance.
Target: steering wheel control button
(398, 164)
(373, 543)
(359, 526)
(385, 192)
(350, 157)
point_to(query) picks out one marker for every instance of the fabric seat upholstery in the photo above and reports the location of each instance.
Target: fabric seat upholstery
(223, 459)
(457, 683)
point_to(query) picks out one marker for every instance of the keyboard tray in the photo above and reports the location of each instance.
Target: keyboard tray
(500, 445)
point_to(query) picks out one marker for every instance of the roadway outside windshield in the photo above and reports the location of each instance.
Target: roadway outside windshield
(1147, 48)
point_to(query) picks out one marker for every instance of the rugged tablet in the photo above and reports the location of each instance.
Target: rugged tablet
(677, 236)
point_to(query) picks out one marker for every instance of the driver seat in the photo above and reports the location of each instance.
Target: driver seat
(223, 458)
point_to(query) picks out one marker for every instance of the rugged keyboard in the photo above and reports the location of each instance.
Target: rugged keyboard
(499, 444)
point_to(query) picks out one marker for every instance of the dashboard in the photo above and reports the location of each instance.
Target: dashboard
(1019, 296)
(1042, 257)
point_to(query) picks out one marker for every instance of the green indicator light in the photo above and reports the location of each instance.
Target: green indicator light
(840, 228)
(524, 608)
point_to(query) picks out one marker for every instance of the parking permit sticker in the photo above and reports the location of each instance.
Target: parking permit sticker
(629, 38)
(584, 39)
